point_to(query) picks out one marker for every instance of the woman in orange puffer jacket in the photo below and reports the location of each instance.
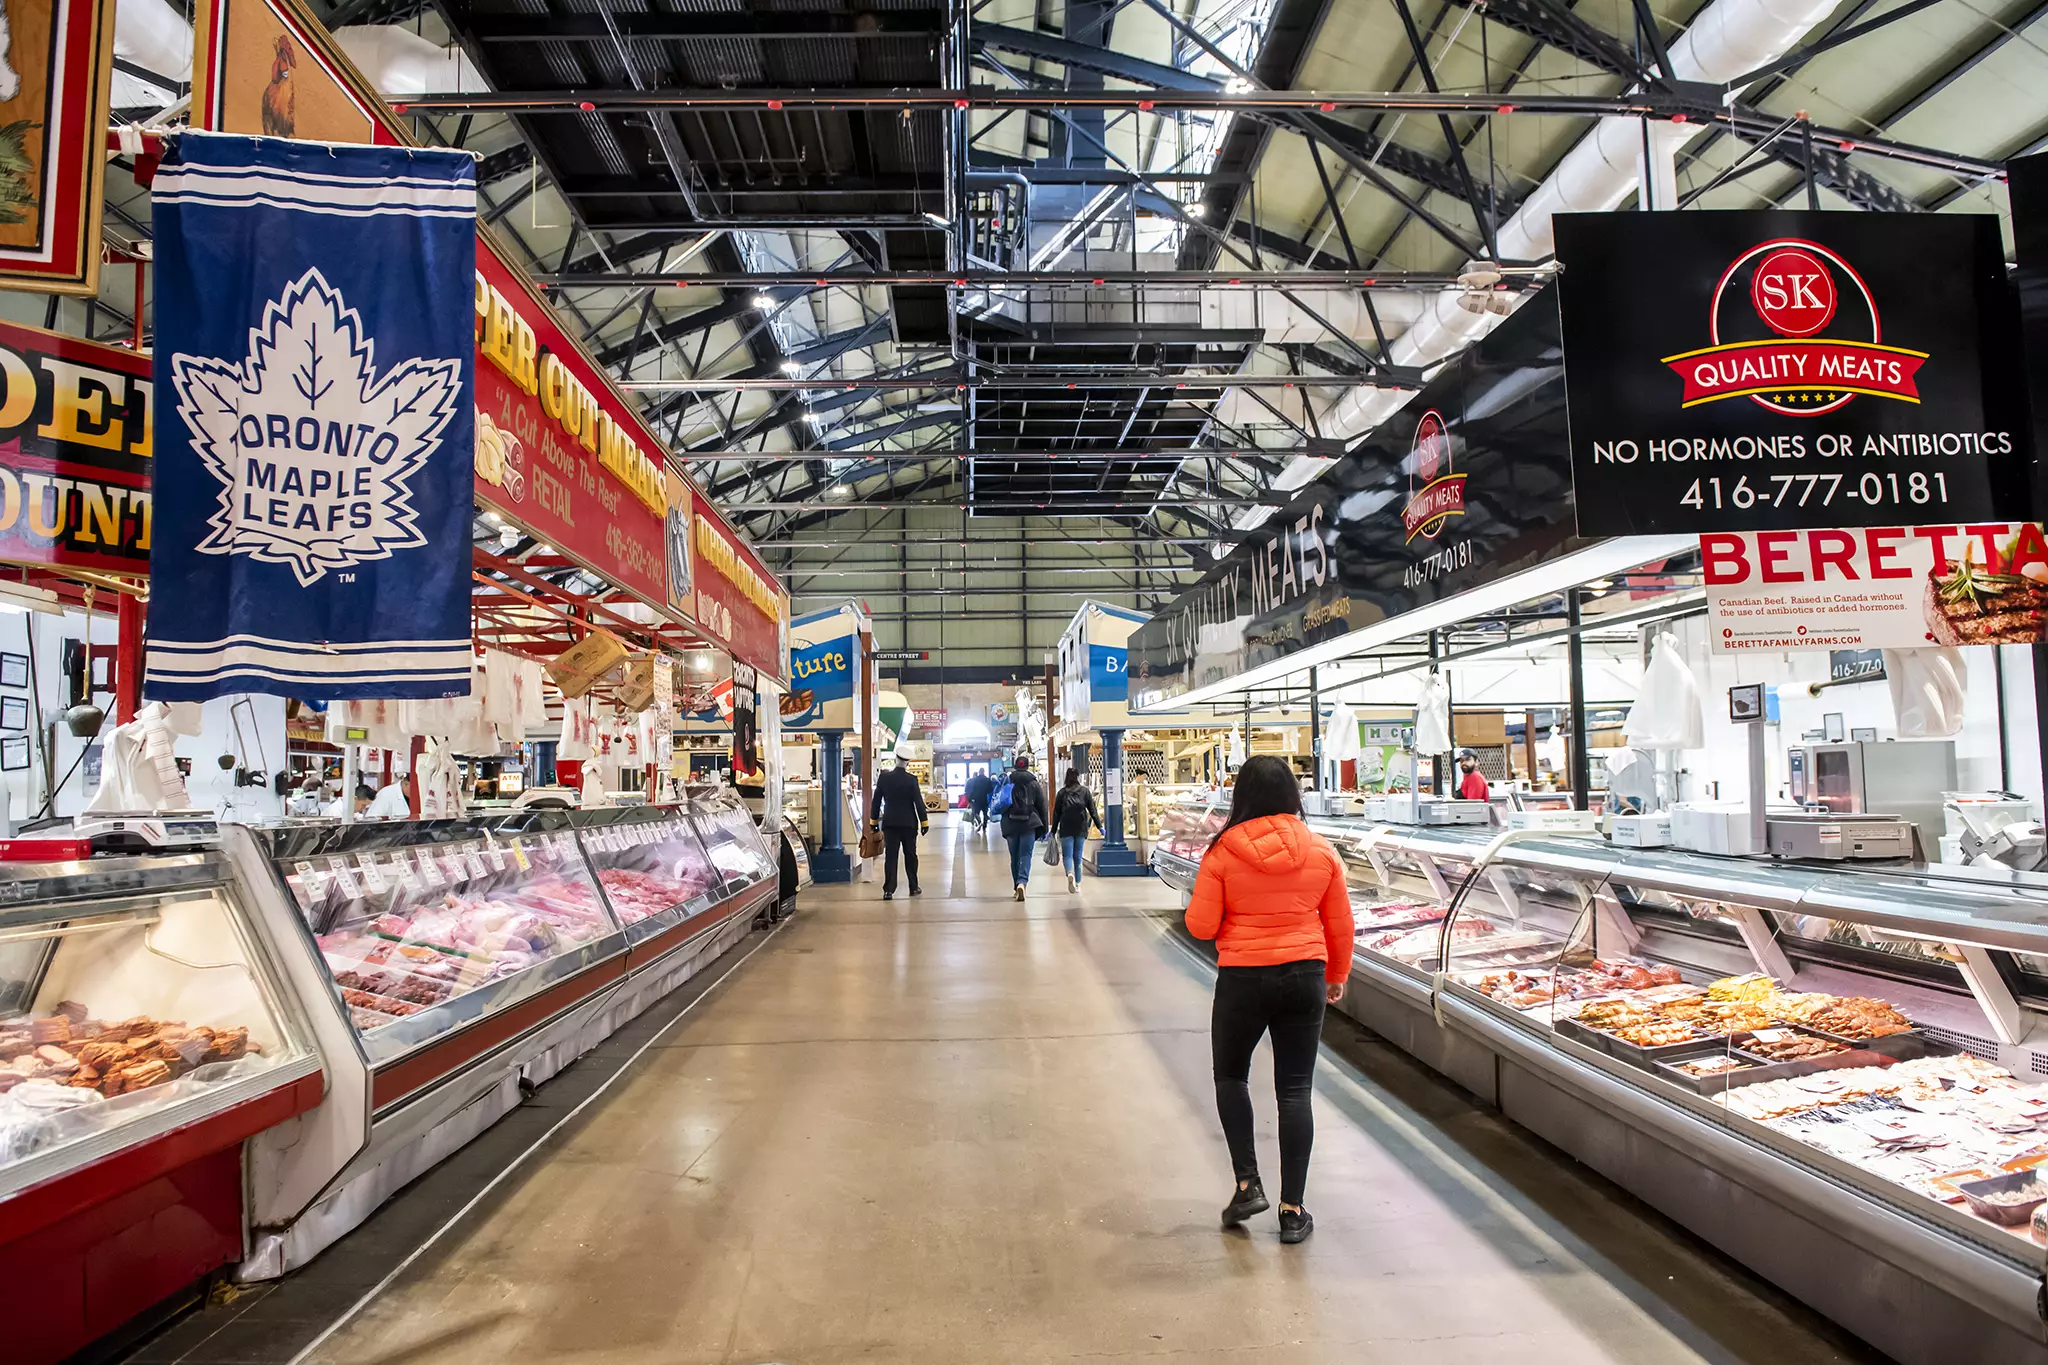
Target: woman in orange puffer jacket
(1271, 893)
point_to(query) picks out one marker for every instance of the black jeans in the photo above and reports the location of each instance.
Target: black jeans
(1288, 1001)
(893, 839)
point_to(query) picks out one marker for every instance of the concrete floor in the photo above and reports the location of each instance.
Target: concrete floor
(961, 1129)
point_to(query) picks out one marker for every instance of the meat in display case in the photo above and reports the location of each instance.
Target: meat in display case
(1186, 829)
(427, 928)
(732, 840)
(144, 1035)
(1830, 1072)
(654, 870)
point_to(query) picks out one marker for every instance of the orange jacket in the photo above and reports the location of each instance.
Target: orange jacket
(1272, 890)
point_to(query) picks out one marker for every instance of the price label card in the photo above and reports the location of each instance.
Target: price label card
(496, 856)
(345, 878)
(475, 862)
(518, 856)
(314, 877)
(430, 867)
(299, 892)
(403, 873)
(1773, 1035)
(455, 862)
(373, 875)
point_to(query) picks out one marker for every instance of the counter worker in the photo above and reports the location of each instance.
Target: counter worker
(362, 798)
(1472, 785)
(898, 811)
(391, 802)
(306, 800)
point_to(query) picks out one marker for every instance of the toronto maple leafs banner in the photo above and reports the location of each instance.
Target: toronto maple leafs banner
(314, 348)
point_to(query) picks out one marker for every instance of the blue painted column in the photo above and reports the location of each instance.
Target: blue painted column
(1113, 858)
(830, 863)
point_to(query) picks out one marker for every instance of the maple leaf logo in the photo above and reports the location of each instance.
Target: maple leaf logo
(314, 450)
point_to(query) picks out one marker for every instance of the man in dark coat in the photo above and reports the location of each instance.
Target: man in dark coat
(897, 809)
(980, 788)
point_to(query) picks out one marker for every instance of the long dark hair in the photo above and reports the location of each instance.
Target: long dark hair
(1073, 777)
(1265, 786)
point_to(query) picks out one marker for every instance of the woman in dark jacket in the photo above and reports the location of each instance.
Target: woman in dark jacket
(1073, 811)
(1023, 820)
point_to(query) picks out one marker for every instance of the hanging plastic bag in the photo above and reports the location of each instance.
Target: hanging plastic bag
(1928, 688)
(1667, 710)
(1340, 735)
(1433, 718)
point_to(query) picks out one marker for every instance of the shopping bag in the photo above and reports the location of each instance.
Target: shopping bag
(1052, 853)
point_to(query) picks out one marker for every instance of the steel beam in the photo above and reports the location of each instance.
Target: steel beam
(1678, 106)
(1205, 384)
(798, 281)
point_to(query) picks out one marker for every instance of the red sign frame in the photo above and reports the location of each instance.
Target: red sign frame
(75, 453)
(63, 101)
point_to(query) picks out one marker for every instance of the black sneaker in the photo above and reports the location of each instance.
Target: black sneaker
(888, 895)
(917, 891)
(1249, 1200)
(1296, 1225)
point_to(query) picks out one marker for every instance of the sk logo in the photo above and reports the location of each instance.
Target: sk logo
(315, 451)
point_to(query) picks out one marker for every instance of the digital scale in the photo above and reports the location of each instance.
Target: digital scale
(90, 834)
(1431, 810)
(1840, 837)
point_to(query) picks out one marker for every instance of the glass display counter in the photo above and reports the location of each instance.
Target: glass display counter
(1835, 1074)
(732, 841)
(144, 1037)
(1186, 827)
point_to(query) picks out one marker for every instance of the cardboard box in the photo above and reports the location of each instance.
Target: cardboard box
(636, 692)
(580, 667)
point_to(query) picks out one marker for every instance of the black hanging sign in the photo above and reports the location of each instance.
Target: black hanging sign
(1790, 370)
(1468, 484)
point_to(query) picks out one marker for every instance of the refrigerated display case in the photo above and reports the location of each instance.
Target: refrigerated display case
(456, 961)
(1186, 827)
(1808, 1065)
(144, 1036)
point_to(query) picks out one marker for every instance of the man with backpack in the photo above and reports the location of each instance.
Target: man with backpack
(1024, 818)
(980, 788)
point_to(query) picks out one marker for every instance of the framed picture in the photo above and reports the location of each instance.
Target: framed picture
(14, 754)
(1833, 721)
(56, 75)
(1864, 734)
(13, 670)
(14, 714)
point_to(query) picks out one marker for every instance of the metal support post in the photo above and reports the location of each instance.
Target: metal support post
(1582, 758)
(1113, 858)
(830, 863)
(1315, 732)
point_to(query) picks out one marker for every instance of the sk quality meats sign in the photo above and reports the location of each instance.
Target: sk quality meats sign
(1877, 587)
(75, 455)
(1776, 370)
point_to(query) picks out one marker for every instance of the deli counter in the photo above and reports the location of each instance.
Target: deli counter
(1834, 1074)
(275, 1034)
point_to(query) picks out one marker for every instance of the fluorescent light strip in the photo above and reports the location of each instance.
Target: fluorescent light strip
(1604, 559)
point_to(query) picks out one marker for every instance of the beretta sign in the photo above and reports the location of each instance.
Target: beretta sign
(1790, 370)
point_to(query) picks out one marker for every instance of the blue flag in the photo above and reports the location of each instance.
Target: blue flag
(315, 344)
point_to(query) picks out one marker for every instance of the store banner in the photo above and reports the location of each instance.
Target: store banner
(1382, 532)
(74, 453)
(748, 772)
(313, 355)
(731, 594)
(821, 684)
(1877, 587)
(558, 450)
(56, 63)
(1769, 370)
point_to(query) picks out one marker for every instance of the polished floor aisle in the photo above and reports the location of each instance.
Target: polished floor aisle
(959, 1129)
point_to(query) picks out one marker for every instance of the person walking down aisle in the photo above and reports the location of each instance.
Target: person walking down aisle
(1073, 811)
(1023, 818)
(897, 809)
(980, 788)
(1271, 893)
